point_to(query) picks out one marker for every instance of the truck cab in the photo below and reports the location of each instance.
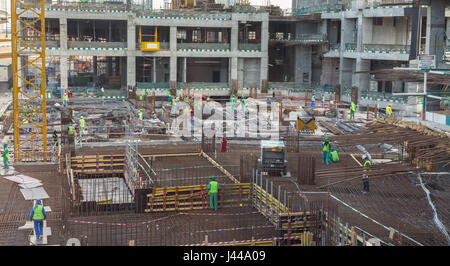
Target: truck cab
(273, 157)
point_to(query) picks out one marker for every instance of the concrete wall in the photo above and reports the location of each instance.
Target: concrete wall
(387, 33)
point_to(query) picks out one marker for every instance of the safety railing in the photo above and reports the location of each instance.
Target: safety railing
(183, 14)
(386, 48)
(335, 47)
(387, 3)
(152, 85)
(255, 47)
(298, 37)
(94, 44)
(318, 9)
(351, 47)
(204, 46)
(383, 96)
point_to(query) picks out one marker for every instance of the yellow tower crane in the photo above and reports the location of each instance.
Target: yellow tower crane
(29, 80)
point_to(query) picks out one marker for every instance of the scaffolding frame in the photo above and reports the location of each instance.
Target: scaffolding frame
(28, 45)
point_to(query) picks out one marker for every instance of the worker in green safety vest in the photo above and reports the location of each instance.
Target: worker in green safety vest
(140, 115)
(82, 124)
(366, 171)
(70, 133)
(352, 110)
(325, 151)
(55, 138)
(37, 215)
(5, 155)
(213, 189)
(334, 156)
(169, 96)
(313, 101)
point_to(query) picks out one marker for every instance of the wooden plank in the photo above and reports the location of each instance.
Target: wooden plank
(218, 166)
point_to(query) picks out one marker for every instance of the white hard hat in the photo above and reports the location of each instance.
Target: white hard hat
(81, 116)
(364, 157)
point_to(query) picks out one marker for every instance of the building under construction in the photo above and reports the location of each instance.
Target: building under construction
(120, 114)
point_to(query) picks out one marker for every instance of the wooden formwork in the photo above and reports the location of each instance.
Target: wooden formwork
(196, 197)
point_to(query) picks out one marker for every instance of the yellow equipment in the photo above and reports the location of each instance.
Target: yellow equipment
(149, 46)
(309, 126)
(28, 66)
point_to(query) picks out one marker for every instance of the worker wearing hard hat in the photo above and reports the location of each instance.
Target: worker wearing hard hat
(65, 99)
(140, 115)
(82, 124)
(389, 110)
(313, 101)
(213, 189)
(323, 101)
(153, 115)
(38, 216)
(365, 175)
(325, 151)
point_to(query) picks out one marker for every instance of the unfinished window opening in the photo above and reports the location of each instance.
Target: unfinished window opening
(377, 21)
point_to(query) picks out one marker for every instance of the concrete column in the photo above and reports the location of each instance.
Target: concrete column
(435, 29)
(131, 53)
(95, 65)
(234, 34)
(448, 32)
(154, 70)
(173, 58)
(362, 80)
(234, 40)
(63, 59)
(265, 53)
(64, 68)
(359, 36)
(63, 34)
(184, 69)
(234, 74)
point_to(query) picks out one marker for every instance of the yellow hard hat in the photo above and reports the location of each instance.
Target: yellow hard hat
(390, 104)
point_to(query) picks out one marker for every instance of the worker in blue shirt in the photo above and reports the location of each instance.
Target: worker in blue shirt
(37, 215)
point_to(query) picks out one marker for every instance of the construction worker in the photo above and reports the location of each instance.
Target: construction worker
(153, 115)
(352, 110)
(213, 188)
(5, 155)
(37, 215)
(65, 99)
(55, 138)
(243, 103)
(140, 115)
(334, 156)
(366, 171)
(163, 109)
(323, 100)
(169, 97)
(389, 110)
(313, 101)
(325, 151)
(82, 123)
(70, 133)
(208, 99)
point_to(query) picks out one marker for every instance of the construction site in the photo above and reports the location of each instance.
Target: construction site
(117, 117)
